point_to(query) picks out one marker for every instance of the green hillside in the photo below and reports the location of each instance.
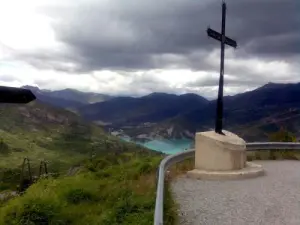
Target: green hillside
(113, 181)
(110, 190)
(41, 132)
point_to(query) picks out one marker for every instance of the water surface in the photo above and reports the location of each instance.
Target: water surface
(170, 146)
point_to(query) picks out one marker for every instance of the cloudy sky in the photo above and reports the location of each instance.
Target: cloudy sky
(135, 47)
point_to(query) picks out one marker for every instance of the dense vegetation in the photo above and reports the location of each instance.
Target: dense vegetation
(110, 189)
(282, 135)
(41, 132)
(94, 178)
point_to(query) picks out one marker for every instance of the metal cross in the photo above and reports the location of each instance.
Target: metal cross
(228, 41)
(15, 95)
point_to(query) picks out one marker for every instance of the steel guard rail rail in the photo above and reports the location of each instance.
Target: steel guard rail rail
(172, 159)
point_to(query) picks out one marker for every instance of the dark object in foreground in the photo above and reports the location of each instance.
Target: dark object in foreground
(15, 95)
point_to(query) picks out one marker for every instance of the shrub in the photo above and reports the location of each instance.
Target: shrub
(75, 196)
(33, 211)
(4, 148)
(282, 136)
(145, 168)
(10, 178)
(103, 174)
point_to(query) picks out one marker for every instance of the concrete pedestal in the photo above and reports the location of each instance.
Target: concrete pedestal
(222, 157)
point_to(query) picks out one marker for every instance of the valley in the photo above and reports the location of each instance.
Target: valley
(253, 115)
(91, 149)
(92, 177)
(102, 104)
(42, 132)
(150, 122)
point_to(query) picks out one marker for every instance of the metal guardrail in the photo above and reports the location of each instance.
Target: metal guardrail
(256, 146)
(172, 159)
(164, 165)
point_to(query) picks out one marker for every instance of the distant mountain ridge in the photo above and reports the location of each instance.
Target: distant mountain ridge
(83, 97)
(154, 107)
(266, 108)
(67, 98)
(253, 114)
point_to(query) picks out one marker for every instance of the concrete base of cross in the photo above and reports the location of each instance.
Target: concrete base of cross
(250, 171)
(219, 157)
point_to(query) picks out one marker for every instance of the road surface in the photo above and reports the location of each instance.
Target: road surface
(273, 199)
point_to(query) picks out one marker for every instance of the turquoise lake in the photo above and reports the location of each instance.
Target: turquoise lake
(166, 146)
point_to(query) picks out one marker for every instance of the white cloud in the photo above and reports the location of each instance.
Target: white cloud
(16, 73)
(25, 28)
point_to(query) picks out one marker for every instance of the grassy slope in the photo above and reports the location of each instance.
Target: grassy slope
(42, 132)
(117, 186)
(109, 190)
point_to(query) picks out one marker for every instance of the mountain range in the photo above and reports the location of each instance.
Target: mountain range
(253, 114)
(67, 98)
(155, 107)
(90, 168)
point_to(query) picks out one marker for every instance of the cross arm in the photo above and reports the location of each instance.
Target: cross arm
(217, 36)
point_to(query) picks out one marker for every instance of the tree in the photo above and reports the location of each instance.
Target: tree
(282, 136)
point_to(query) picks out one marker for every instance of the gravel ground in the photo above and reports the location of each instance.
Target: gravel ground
(272, 199)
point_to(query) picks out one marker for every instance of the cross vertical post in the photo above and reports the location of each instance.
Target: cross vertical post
(228, 41)
(219, 113)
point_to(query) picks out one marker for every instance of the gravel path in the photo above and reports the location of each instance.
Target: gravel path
(273, 199)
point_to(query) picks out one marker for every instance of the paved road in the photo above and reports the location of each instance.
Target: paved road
(273, 199)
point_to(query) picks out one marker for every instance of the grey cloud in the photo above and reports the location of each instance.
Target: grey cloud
(131, 35)
(228, 81)
(146, 83)
(142, 34)
(8, 78)
(283, 45)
